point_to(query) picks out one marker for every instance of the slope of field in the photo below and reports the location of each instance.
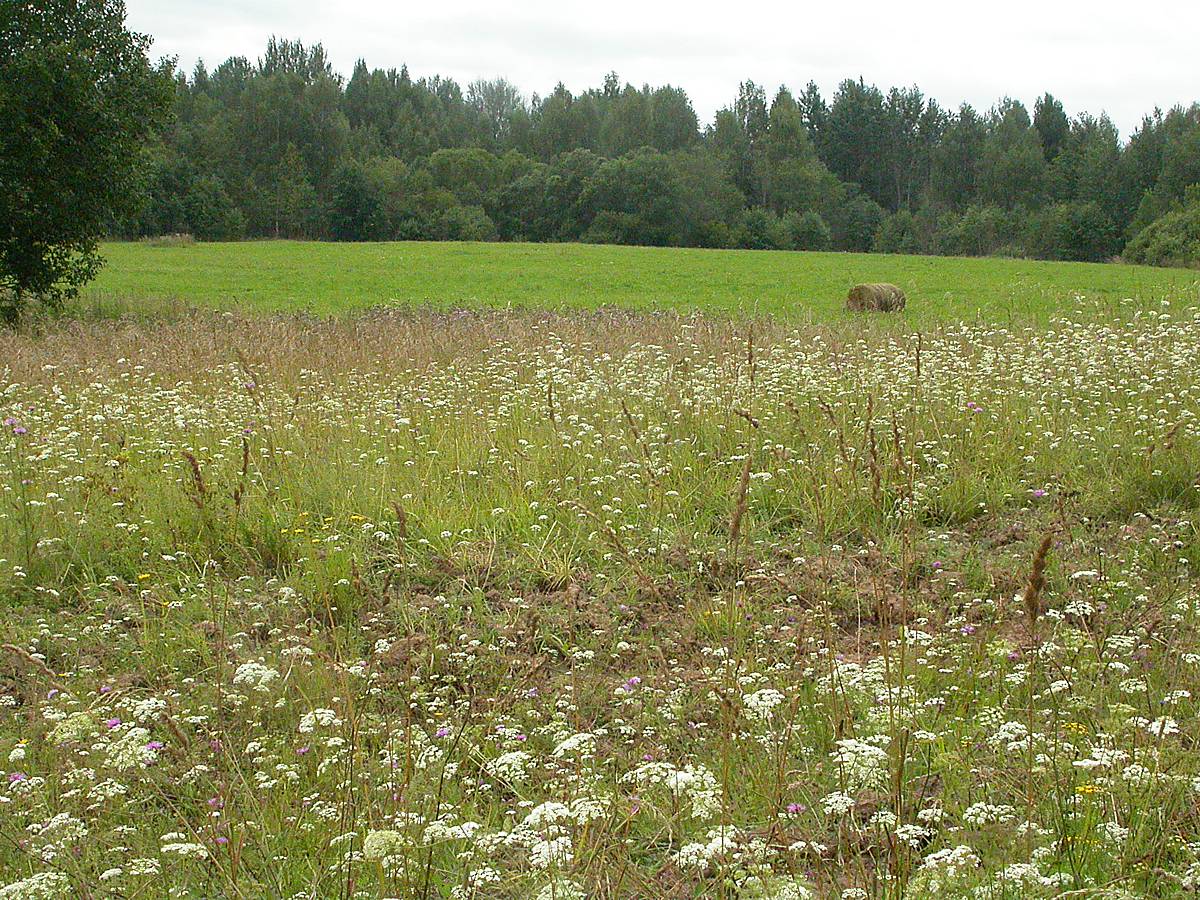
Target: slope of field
(330, 278)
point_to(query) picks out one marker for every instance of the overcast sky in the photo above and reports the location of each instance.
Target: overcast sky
(1099, 55)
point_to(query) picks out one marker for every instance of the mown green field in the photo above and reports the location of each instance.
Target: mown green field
(330, 278)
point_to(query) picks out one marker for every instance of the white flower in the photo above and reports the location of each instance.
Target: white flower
(554, 852)
(74, 729)
(979, 814)
(837, 803)
(255, 676)
(760, 705)
(42, 886)
(562, 889)
(320, 717)
(384, 843)
(185, 848)
(512, 766)
(131, 750)
(582, 744)
(862, 764)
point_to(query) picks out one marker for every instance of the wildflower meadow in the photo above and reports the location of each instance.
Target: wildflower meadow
(612, 605)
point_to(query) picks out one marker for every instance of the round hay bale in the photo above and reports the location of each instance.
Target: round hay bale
(875, 298)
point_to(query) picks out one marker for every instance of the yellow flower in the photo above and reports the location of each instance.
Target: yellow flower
(145, 577)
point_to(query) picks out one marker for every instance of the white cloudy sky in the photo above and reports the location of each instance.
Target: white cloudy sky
(1098, 55)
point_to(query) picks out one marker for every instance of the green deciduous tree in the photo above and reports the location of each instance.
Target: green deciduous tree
(79, 100)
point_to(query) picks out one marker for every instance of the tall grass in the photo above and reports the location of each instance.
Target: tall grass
(611, 605)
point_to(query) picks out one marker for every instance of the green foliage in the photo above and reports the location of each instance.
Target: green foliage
(809, 231)
(386, 156)
(978, 231)
(1173, 239)
(899, 233)
(1075, 230)
(78, 101)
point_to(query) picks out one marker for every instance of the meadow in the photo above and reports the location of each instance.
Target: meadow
(327, 278)
(604, 603)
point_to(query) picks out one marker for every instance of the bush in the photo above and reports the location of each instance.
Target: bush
(808, 231)
(211, 213)
(980, 231)
(1079, 231)
(855, 223)
(763, 230)
(898, 234)
(465, 223)
(1171, 240)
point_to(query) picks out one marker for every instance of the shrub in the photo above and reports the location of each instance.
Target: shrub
(1079, 231)
(897, 234)
(808, 231)
(1172, 239)
(979, 231)
(855, 222)
(764, 230)
(465, 223)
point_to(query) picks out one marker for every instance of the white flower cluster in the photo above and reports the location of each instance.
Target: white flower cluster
(693, 782)
(255, 676)
(760, 705)
(862, 763)
(318, 718)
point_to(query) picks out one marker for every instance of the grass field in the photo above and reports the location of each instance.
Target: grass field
(332, 278)
(496, 605)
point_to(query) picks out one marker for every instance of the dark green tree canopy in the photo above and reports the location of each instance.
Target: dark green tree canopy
(282, 146)
(79, 99)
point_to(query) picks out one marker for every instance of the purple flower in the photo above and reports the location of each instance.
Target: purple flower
(14, 777)
(112, 723)
(222, 840)
(968, 629)
(1038, 492)
(300, 751)
(443, 731)
(154, 745)
(796, 808)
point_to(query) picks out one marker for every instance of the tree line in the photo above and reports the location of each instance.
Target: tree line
(284, 147)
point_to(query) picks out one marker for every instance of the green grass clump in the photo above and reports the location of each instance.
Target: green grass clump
(325, 278)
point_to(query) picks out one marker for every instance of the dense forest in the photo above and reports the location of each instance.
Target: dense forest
(286, 147)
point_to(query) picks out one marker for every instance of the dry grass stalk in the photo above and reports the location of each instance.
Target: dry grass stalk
(201, 492)
(1037, 583)
(740, 504)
